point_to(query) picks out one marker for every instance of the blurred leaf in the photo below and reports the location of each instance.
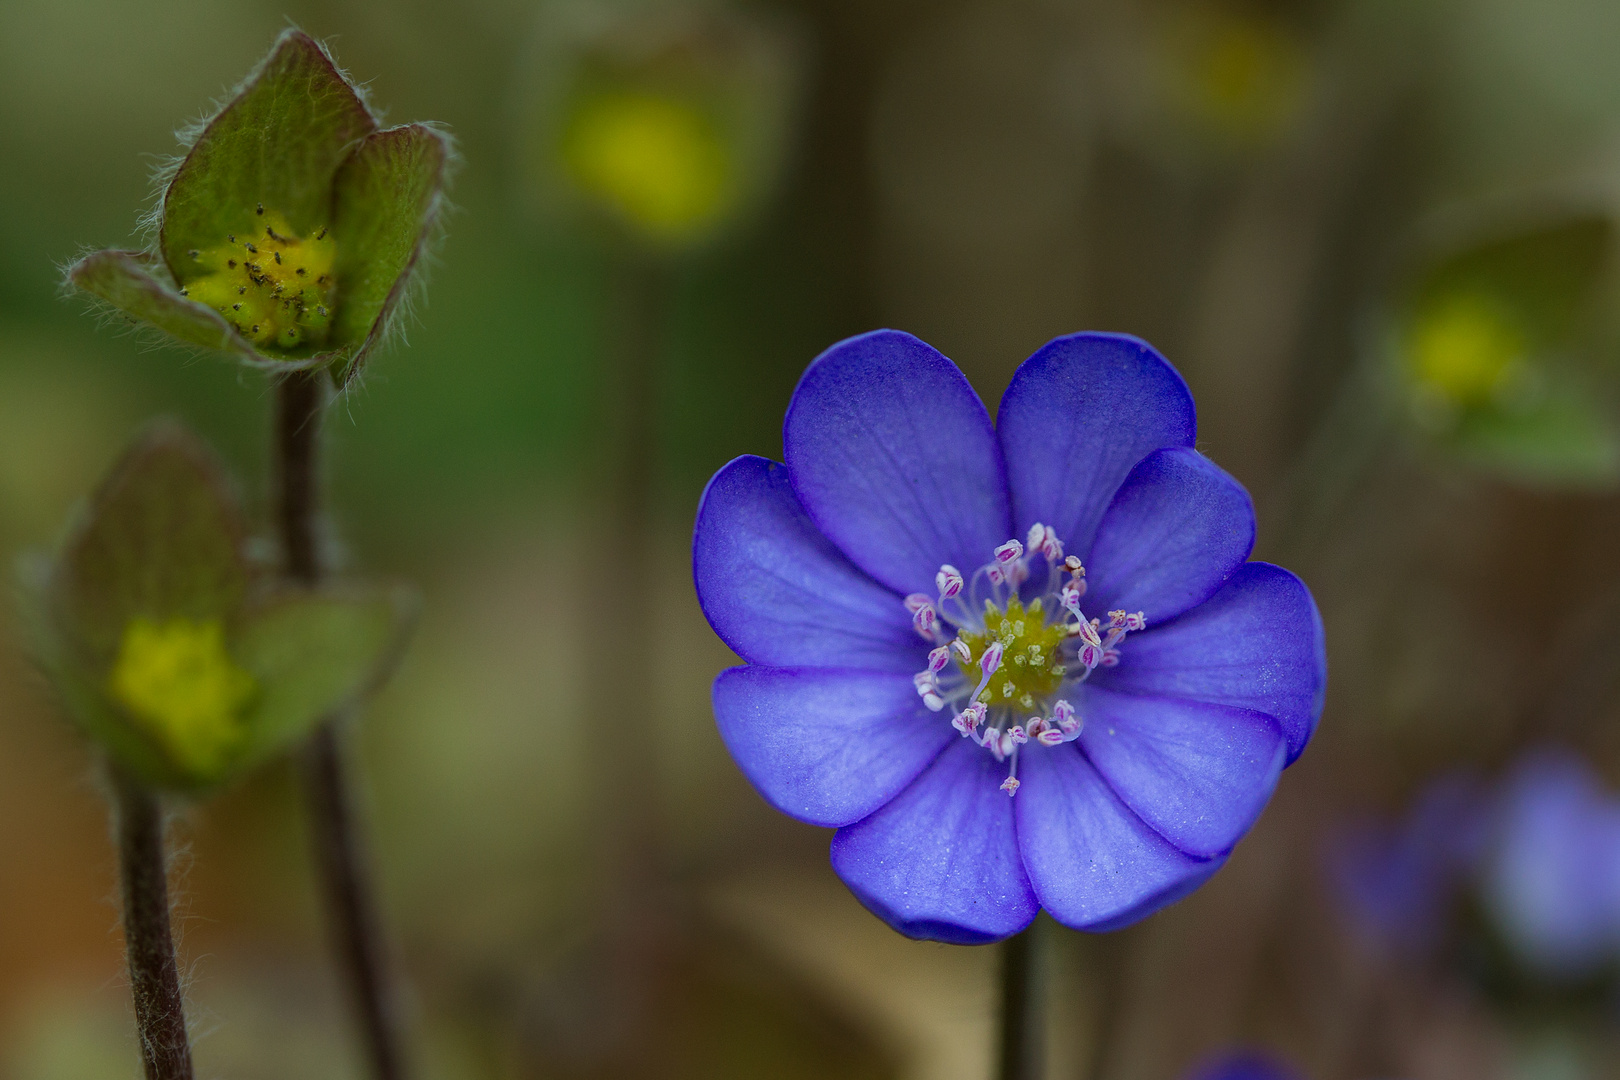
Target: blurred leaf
(315, 653)
(126, 279)
(161, 539)
(277, 145)
(1565, 440)
(1547, 276)
(385, 200)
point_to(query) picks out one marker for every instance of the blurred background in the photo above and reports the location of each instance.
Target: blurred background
(1376, 236)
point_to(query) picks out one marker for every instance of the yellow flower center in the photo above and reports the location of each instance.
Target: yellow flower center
(181, 686)
(1032, 665)
(655, 160)
(1466, 348)
(273, 286)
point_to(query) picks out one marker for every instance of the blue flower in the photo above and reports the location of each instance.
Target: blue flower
(1398, 881)
(1552, 881)
(1245, 1066)
(938, 613)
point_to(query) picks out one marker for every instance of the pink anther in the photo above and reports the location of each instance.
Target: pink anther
(939, 658)
(1088, 633)
(949, 580)
(1037, 533)
(1050, 737)
(1018, 735)
(917, 601)
(1091, 655)
(1062, 712)
(924, 680)
(1072, 565)
(995, 575)
(1010, 786)
(1011, 551)
(1110, 658)
(991, 660)
(925, 620)
(1136, 621)
(974, 715)
(964, 652)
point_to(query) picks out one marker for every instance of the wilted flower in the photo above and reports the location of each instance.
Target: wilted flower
(171, 650)
(913, 590)
(287, 233)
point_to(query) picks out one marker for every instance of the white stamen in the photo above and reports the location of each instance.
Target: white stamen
(939, 658)
(1009, 552)
(963, 650)
(916, 602)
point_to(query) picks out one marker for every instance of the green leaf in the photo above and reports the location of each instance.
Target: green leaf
(386, 198)
(128, 281)
(315, 654)
(275, 147)
(161, 539)
(1566, 440)
(1546, 273)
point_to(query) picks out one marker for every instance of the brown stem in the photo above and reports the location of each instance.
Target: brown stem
(354, 925)
(154, 978)
(1021, 1007)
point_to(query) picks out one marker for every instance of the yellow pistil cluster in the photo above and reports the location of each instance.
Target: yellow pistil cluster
(273, 286)
(181, 686)
(1032, 665)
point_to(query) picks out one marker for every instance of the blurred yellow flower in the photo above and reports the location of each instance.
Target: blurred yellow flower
(177, 680)
(652, 159)
(1243, 76)
(1466, 349)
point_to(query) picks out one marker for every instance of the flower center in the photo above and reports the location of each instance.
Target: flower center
(1012, 657)
(274, 286)
(1032, 662)
(182, 688)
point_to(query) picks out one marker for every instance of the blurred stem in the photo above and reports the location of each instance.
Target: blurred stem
(351, 908)
(154, 977)
(1022, 1005)
(1108, 952)
(633, 915)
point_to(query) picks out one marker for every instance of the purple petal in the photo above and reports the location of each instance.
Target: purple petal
(778, 592)
(941, 861)
(893, 456)
(823, 745)
(1177, 529)
(1078, 415)
(1198, 773)
(1244, 1066)
(1256, 644)
(1094, 864)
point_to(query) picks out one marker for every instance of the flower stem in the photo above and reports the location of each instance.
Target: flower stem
(1021, 1006)
(353, 922)
(154, 977)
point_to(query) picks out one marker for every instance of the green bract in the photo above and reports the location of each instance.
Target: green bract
(172, 650)
(288, 232)
(1507, 356)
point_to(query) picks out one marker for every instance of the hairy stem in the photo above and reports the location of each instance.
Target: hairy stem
(351, 909)
(1021, 1006)
(154, 978)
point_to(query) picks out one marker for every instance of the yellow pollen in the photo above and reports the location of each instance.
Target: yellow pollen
(1030, 668)
(182, 688)
(275, 287)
